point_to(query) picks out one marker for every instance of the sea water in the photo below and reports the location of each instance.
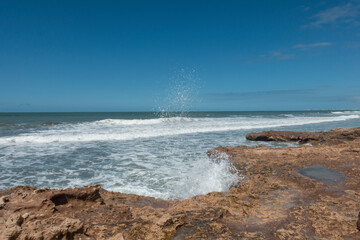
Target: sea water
(144, 153)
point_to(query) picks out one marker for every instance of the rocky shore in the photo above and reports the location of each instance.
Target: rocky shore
(306, 192)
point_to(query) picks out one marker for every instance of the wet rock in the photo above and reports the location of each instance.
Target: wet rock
(52, 123)
(334, 136)
(282, 136)
(322, 174)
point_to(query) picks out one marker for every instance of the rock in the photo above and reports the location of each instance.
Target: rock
(334, 136)
(118, 236)
(11, 233)
(165, 220)
(14, 220)
(67, 228)
(4, 199)
(282, 136)
(274, 198)
(323, 174)
(220, 228)
(85, 194)
(358, 222)
(52, 123)
(26, 215)
(72, 225)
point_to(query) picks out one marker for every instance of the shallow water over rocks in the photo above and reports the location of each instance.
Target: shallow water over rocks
(322, 174)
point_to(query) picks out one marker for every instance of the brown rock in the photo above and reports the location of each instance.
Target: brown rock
(25, 215)
(14, 220)
(281, 136)
(11, 233)
(334, 136)
(84, 194)
(165, 220)
(72, 225)
(274, 200)
(52, 123)
(67, 228)
(118, 236)
(4, 199)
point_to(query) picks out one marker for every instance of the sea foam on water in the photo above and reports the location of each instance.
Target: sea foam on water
(160, 157)
(158, 154)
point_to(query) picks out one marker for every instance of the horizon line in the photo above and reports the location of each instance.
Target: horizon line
(307, 110)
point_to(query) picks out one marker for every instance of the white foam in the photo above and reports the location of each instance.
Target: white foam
(346, 112)
(116, 130)
(143, 121)
(208, 176)
(204, 175)
(135, 156)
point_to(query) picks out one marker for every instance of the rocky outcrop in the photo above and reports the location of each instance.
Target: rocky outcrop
(32, 213)
(334, 136)
(280, 197)
(283, 136)
(51, 123)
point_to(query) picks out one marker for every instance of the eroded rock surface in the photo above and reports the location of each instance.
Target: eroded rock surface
(273, 201)
(334, 136)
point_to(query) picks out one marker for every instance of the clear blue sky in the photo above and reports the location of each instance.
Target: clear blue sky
(134, 55)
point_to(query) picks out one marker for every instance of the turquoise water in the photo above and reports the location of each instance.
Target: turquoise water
(154, 154)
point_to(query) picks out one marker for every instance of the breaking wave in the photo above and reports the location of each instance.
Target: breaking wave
(346, 112)
(160, 157)
(121, 130)
(143, 121)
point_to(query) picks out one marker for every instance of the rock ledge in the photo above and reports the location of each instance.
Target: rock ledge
(275, 200)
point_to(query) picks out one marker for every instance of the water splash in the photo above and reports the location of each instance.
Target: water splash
(162, 157)
(214, 174)
(203, 174)
(180, 96)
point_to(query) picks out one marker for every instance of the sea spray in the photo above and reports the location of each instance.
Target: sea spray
(210, 174)
(139, 153)
(204, 174)
(180, 95)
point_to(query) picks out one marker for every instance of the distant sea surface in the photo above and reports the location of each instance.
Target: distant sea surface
(153, 154)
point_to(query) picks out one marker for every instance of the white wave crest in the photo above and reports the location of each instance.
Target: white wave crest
(107, 131)
(346, 112)
(143, 121)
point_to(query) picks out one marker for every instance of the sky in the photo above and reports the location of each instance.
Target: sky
(198, 55)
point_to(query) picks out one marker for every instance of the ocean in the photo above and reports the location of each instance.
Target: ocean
(146, 153)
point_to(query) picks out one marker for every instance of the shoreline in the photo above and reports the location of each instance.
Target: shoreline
(299, 192)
